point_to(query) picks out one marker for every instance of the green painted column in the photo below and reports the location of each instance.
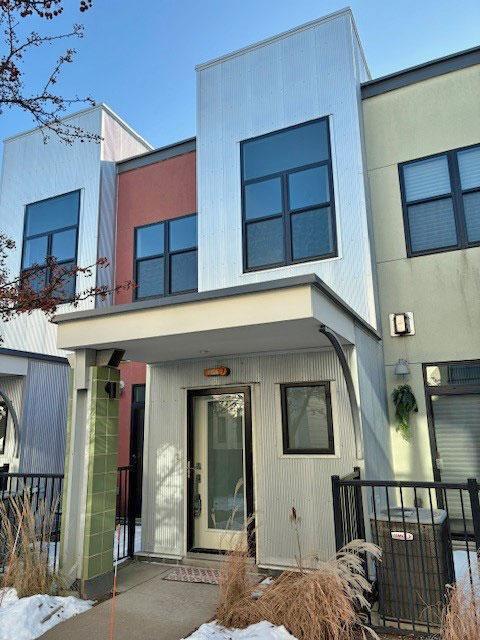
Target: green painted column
(101, 487)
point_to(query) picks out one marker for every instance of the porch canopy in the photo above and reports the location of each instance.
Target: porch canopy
(263, 317)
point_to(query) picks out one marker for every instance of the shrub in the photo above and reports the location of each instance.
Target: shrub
(25, 535)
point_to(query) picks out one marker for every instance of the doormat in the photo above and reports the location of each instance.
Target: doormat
(193, 574)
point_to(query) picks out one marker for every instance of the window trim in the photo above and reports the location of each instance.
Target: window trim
(49, 235)
(456, 195)
(286, 213)
(4, 446)
(287, 450)
(166, 255)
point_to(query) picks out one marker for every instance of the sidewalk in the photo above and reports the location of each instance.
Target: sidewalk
(147, 608)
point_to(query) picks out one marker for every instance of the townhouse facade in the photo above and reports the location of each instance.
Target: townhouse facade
(313, 248)
(54, 200)
(422, 143)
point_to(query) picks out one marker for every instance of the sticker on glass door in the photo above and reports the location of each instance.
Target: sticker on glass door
(218, 471)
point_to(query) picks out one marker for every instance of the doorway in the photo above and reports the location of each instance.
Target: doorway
(453, 411)
(219, 469)
(136, 443)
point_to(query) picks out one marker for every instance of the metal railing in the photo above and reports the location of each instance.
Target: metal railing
(44, 493)
(124, 543)
(429, 534)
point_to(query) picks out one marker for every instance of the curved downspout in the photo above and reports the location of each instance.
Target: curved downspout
(347, 374)
(16, 426)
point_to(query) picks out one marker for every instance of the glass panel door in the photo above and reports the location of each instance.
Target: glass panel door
(219, 471)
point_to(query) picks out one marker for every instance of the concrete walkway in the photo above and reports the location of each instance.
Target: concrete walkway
(147, 608)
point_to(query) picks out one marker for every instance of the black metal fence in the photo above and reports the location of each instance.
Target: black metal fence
(429, 534)
(124, 544)
(43, 493)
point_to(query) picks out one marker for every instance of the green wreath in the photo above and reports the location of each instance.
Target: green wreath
(405, 403)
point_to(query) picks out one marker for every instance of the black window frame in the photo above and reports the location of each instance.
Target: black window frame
(287, 449)
(4, 445)
(287, 212)
(58, 263)
(166, 255)
(456, 195)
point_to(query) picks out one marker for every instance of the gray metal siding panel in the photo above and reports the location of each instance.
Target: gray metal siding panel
(280, 481)
(42, 437)
(373, 407)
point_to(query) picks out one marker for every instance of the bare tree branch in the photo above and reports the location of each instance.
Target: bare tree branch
(46, 107)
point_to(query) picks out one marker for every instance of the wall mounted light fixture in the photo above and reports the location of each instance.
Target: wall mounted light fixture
(401, 368)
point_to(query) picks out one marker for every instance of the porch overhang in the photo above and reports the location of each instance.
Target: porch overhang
(265, 317)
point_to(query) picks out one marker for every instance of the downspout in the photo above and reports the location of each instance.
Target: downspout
(16, 427)
(347, 374)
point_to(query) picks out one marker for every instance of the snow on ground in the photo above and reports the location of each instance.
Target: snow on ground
(261, 631)
(466, 569)
(29, 618)
(124, 540)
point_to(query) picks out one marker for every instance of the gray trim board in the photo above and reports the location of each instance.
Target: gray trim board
(271, 285)
(418, 73)
(32, 356)
(157, 155)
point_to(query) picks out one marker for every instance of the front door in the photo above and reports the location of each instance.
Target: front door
(136, 441)
(453, 403)
(219, 469)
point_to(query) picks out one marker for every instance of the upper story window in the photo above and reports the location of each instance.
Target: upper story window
(166, 257)
(287, 197)
(441, 201)
(51, 231)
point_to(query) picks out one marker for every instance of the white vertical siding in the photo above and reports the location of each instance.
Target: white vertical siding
(306, 74)
(280, 482)
(373, 406)
(32, 171)
(13, 388)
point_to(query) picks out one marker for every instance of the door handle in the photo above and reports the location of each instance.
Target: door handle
(192, 468)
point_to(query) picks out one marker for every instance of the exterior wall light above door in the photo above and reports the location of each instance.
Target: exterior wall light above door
(401, 324)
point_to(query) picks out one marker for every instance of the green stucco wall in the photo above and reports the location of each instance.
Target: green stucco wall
(442, 290)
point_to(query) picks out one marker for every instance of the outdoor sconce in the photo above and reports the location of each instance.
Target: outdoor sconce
(111, 390)
(401, 368)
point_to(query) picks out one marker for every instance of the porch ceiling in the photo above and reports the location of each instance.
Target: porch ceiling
(256, 321)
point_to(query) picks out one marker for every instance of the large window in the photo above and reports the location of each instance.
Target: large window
(166, 257)
(287, 197)
(307, 418)
(441, 201)
(3, 426)
(51, 231)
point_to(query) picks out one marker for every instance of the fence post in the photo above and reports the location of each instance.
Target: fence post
(359, 507)
(131, 509)
(337, 512)
(473, 489)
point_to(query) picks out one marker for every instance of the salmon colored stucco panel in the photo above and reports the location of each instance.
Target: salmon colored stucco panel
(159, 191)
(131, 373)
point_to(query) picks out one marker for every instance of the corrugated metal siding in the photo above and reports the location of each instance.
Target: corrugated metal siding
(306, 75)
(13, 387)
(373, 407)
(42, 434)
(33, 171)
(280, 481)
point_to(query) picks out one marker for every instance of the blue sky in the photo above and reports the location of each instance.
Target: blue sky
(138, 56)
